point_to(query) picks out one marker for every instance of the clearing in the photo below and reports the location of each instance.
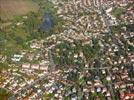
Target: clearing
(11, 8)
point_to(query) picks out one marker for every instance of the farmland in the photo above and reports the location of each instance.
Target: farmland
(12, 8)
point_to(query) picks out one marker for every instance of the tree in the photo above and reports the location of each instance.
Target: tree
(19, 40)
(4, 94)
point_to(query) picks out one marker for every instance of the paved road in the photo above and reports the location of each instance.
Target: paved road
(52, 64)
(105, 17)
(28, 86)
(98, 68)
(38, 81)
(110, 85)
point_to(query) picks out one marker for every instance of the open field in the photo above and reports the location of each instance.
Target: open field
(11, 8)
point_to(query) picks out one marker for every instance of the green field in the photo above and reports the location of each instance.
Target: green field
(11, 8)
(13, 37)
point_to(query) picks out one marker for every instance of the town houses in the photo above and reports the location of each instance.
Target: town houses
(91, 59)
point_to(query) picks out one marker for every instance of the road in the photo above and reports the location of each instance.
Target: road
(38, 81)
(110, 85)
(28, 87)
(50, 75)
(105, 17)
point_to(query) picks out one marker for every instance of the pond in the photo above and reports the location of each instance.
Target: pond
(47, 22)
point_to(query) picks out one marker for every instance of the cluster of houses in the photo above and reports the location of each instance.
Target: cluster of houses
(42, 66)
(2, 58)
(83, 20)
(127, 5)
(15, 80)
(31, 79)
(120, 79)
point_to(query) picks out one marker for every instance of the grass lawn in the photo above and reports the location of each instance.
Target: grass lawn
(11, 8)
(4, 94)
(117, 12)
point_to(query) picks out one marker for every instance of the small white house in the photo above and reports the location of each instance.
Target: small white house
(27, 65)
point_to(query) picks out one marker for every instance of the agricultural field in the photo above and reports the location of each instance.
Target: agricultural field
(12, 8)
